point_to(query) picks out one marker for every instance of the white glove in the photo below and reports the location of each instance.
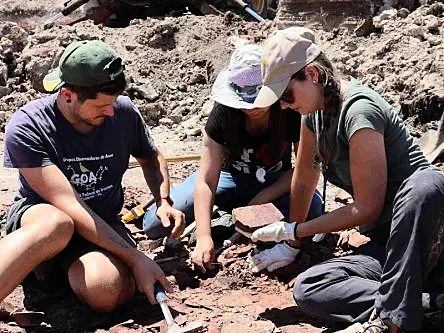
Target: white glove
(276, 232)
(318, 238)
(278, 256)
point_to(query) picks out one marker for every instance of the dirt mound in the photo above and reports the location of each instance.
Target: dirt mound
(172, 62)
(401, 57)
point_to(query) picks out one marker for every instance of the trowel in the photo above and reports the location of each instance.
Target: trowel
(172, 326)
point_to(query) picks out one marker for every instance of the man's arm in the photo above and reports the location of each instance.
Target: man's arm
(155, 170)
(52, 185)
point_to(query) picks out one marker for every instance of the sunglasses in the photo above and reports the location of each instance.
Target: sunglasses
(287, 96)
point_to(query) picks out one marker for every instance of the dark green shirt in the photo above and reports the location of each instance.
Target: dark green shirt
(365, 108)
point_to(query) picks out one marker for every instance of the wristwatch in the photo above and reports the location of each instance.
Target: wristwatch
(166, 198)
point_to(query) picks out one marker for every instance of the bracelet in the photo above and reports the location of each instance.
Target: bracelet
(296, 231)
(167, 198)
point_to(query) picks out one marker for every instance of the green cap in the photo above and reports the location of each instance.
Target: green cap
(85, 64)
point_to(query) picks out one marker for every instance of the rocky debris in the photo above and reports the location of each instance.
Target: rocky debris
(365, 28)
(260, 326)
(134, 196)
(352, 238)
(404, 61)
(13, 33)
(172, 65)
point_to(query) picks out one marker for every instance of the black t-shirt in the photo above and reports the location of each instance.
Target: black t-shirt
(246, 153)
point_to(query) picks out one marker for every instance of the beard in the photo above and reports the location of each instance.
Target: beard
(93, 122)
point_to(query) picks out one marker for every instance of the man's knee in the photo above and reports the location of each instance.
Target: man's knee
(49, 224)
(101, 281)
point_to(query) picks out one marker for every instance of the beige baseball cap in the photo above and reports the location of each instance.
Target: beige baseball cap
(286, 52)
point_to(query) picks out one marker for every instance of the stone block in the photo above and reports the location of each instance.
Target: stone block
(250, 218)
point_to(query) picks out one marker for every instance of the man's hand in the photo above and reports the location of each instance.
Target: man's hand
(279, 256)
(146, 272)
(203, 254)
(276, 232)
(168, 215)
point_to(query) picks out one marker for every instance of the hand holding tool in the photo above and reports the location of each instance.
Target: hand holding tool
(172, 326)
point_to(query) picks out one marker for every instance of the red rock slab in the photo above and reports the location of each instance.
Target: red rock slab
(250, 218)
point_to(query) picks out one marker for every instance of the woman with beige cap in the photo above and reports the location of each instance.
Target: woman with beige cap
(351, 133)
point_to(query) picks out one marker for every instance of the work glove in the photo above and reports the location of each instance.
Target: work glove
(278, 232)
(278, 256)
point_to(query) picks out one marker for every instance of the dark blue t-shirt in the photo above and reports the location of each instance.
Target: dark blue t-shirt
(39, 135)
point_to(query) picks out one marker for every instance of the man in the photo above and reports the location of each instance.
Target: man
(72, 149)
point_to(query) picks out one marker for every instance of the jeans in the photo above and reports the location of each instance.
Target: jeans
(232, 191)
(388, 278)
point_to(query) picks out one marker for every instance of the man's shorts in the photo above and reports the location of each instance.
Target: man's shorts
(77, 247)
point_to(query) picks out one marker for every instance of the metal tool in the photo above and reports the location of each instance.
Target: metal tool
(69, 8)
(172, 326)
(250, 11)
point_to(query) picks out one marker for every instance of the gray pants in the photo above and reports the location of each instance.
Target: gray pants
(388, 278)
